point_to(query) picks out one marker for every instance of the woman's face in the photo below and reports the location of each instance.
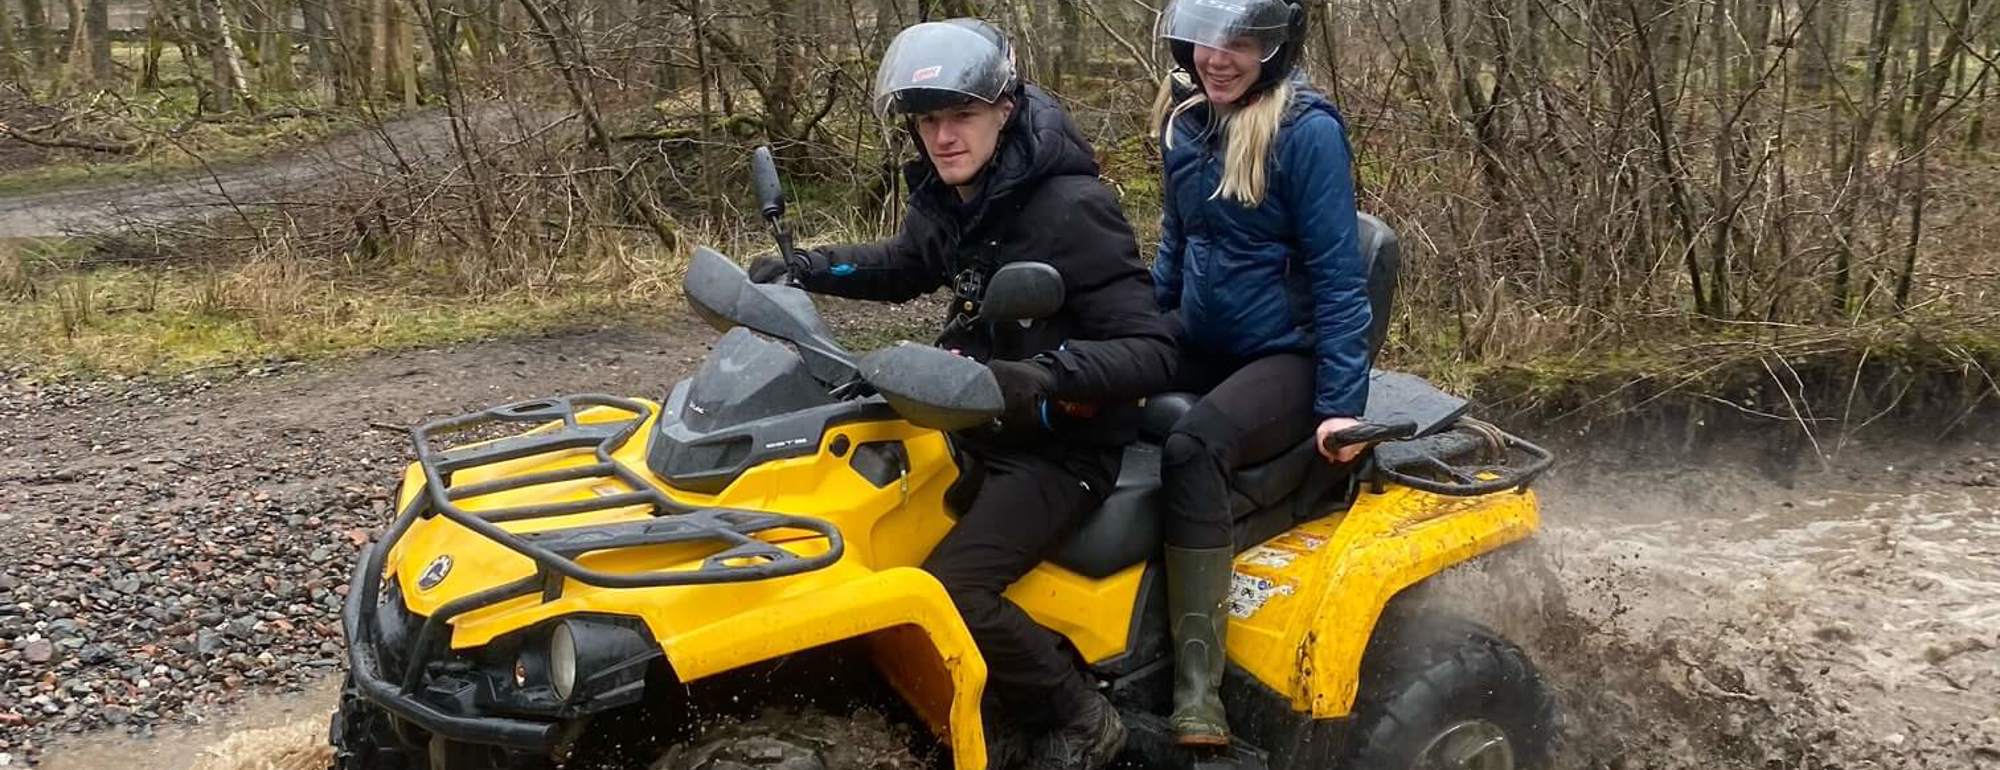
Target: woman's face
(1226, 73)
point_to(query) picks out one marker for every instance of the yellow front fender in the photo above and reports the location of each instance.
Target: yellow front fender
(903, 612)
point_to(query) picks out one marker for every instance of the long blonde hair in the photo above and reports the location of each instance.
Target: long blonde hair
(1248, 132)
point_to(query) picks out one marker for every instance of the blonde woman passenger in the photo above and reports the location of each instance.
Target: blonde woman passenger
(1258, 256)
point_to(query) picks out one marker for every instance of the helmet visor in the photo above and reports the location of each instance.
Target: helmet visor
(1254, 27)
(929, 62)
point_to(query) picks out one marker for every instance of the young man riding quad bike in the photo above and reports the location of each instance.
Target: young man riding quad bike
(585, 579)
(1003, 176)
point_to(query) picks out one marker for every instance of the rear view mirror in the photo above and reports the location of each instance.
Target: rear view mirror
(933, 388)
(764, 179)
(723, 296)
(1022, 291)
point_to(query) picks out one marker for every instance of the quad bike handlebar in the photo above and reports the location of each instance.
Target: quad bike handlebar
(1369, 433)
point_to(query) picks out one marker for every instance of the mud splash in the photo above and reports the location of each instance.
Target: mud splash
(1713, 620)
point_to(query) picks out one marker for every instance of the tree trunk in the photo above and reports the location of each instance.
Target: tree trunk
(97, 24)
(35, 23)
(77, 69)
(1861, 138)
(156, 46)
(406, 40)
(12, 68)
(379, 61)
(1816, 61)
(274, 45)
(319, 39)
(1074, 59)
(226, 58)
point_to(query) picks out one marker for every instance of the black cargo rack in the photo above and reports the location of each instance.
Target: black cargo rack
(555, 552)
(1438, 462)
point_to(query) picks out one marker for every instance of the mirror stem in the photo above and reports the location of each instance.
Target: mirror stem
(783, 237)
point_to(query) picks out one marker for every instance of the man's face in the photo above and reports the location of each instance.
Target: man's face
(961, 139)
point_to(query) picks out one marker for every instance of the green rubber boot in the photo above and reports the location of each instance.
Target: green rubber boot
(1197, 586)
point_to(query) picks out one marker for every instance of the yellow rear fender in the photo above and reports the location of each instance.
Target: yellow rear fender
(1305, 604)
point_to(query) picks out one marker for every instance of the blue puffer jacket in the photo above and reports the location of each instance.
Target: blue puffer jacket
(1286, 276)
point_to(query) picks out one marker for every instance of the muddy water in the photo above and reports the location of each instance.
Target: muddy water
(1716, 620)
(1690, 618)
(266, 732)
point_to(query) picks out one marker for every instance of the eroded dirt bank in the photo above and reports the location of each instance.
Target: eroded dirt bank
(165, 540)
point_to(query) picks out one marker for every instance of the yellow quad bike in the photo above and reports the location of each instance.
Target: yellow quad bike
(587, 580)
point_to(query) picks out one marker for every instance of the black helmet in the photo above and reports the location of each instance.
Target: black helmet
(941, 64)
(1277, 26)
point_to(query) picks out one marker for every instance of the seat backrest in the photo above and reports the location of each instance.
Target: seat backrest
(1383, 254)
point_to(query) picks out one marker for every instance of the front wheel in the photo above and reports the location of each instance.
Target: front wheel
(796, 740)
(1450, 694)
(364, 737)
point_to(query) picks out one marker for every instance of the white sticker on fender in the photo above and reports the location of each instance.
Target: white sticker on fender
(1266, 556)
(1248, 593)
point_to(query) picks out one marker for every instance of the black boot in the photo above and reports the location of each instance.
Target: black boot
(1197, 586)
(1011, 731)
(1086, 733)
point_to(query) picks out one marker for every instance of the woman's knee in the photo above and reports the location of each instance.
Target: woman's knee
(1186, 451)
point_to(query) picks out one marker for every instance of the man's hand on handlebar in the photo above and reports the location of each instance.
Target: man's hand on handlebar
(770, 267)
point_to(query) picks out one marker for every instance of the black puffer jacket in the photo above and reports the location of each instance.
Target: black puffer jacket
(1040, 201)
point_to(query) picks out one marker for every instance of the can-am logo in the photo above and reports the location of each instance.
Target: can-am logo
(435, 573)
(927, 73)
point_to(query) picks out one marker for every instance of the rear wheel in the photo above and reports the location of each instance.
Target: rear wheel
(1444, 693)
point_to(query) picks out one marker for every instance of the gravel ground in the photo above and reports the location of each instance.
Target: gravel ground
(173, 545)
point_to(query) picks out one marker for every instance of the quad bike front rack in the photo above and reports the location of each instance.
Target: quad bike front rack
(555, 428)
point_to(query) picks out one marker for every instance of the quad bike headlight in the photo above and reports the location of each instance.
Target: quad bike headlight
(596, 659)
(562, 661)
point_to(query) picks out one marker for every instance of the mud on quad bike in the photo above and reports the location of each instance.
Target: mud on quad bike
(586, 558)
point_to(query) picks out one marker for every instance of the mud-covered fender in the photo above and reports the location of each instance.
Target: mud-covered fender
(905, 616)
(1346, 569)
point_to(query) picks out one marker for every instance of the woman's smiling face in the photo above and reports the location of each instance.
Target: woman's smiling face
(1226, 73)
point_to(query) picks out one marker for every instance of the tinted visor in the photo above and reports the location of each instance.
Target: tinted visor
(927, 63)
(1255, 27)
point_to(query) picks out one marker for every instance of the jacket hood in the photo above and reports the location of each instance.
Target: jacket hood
(1039, 141)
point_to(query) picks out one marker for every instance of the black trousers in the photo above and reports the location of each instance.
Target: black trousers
(1016, 506)
(1249, 413)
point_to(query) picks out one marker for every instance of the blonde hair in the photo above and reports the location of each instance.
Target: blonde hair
(1248, 133)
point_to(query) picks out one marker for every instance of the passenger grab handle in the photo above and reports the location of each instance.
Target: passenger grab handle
(1371, 433)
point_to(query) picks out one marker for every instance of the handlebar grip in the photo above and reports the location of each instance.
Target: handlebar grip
(1371, 432)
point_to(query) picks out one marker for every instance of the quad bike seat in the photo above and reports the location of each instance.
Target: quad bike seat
(1266, 498)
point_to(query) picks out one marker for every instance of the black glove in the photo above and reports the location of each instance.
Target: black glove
(769, 268)
(1024, 387)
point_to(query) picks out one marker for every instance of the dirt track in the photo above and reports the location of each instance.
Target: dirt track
(218, 190)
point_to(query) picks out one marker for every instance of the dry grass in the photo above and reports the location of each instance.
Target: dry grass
(13, 272)
(297, 746)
